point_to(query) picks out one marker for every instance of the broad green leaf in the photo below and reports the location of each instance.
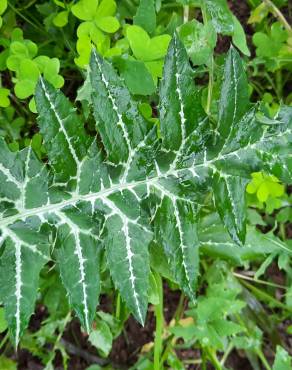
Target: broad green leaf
(269, 45)
(115, 121)
(28, 70)
(146, 16)
(3, 323)
(235, 124)
(24, 88)
(26, 248)
(79, 250)
(234, 100)
(130, 189)
(176, 224)
(229, 196)
(128, 259)
(7, 364)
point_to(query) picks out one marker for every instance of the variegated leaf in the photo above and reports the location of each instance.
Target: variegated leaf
(134, 190)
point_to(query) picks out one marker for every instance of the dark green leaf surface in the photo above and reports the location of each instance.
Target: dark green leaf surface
(135, 190)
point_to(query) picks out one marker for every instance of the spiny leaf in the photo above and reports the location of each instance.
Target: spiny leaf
(138, 190)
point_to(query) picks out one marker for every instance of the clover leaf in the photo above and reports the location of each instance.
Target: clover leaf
(272, 45)
(4, 100)
(98, 21)
(267, 189)
(149, 50)
(28, 67)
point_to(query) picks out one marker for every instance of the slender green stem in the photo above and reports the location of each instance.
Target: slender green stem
(279, 83)
(4, 340)
(158, 310)
(25, 18)
(118, 306)
(186, 13)
(259, 281)
(61, 331)
(226, 354)
(204, 361)
(213, 358)
(210, 86)
(171, 339)
(268, 77)
(265, 296)
(263, 359)
(282, 232)
(278, 14)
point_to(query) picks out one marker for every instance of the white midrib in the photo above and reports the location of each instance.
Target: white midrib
(119, 187)
(92, 196)
(74, 199)
(122, 186)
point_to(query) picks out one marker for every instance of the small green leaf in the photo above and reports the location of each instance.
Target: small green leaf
(107, 24)
(3, 6)
(85, 9)
(282, 360)
(28, 70)
(239, 38)
(101, 338)
(143, 47)
(106, 8)
(4, 97)
(146, 16)
(221, 16)
(61, 19)
(137, 77)
(24, 88)
(199, 40)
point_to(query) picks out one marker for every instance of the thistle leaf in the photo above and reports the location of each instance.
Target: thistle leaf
(135, 190)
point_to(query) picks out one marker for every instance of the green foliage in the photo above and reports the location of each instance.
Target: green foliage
(275, 47)
(282, 360)
(127, 190)
(23, 60)
(98, 21)
(146, 16)
(150, 51)
(267, 189)
(3, 7)
(88, 199)
(211, 322)
(226, 23)
(199, 40)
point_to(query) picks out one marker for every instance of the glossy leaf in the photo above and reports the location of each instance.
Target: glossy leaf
(132, 188)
